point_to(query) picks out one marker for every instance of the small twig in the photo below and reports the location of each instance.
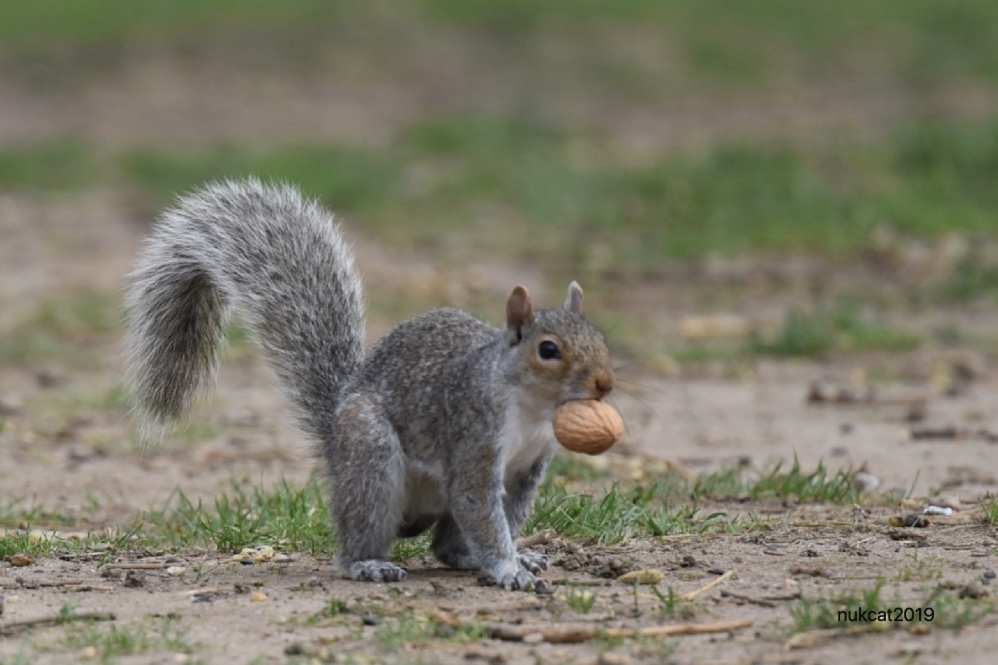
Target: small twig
(539, 538)
(93, 587)
(681, 629)
(764, 601)
(12, 627)
(710, 585)
(568, 582)
(63, 583)
(576, 634)
(135, 566)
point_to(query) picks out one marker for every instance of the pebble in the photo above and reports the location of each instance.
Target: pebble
(990, 574)
(648, 576)
(11, 405)
(257, 597)
(88, 652)
(135, 579)
(533, 638)
(176, 571)
(612, 658)
(20, 560)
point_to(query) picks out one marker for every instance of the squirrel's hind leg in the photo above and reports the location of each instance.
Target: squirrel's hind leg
(367, 473)
(450, 547)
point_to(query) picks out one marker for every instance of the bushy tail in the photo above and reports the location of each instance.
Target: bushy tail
(275, 256)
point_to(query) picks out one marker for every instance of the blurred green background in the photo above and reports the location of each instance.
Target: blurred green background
(837, 159)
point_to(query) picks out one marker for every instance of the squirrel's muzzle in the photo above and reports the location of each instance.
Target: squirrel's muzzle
(600, 384)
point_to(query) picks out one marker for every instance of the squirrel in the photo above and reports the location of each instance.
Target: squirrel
(445, 423)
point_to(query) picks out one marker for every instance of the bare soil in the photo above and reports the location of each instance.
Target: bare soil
(79, 462)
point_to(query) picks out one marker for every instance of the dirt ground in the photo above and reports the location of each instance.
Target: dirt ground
(85, 466)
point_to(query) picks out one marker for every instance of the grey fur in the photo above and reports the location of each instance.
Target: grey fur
(446, 423)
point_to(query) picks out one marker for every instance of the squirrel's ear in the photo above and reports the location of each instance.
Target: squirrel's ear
(519, 312)
(573, 302)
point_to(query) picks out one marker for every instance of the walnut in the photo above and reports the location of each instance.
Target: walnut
(587, 426)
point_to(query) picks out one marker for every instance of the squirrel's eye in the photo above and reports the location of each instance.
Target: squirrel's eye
(548, 350)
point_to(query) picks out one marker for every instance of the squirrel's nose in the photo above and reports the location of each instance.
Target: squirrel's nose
(600, 384)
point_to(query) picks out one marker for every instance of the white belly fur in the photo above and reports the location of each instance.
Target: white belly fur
(527, 435)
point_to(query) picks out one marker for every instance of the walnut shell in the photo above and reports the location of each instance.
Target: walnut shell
(587, 426)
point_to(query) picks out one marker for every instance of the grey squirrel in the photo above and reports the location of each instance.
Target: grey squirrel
(445, 423)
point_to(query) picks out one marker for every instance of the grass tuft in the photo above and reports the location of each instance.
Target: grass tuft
(286, 517)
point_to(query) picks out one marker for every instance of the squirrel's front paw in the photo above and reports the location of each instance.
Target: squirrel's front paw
(373, 570)
(533, 561)
(513, 577)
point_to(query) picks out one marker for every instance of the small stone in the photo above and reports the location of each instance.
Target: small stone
(176, 571)
(972, 592)
(11, 405)
(20, 560)
(533, 638)
(50, 377)
(990, 574)
(257, 597)
(864, 481)
(948, 501)
(648, 576)
(88, 652)
(135, 579)
(613, 658)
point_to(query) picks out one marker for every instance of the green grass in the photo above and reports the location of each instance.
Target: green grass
(292, 518)
(761, 42)
(295, 519)
(439, 179)
(579, 599)
(549, 195)
(112, 641)
(529, 182)
(815, 486)
(346, 179)
(946, 608)
(64, 164)
(989, 510)
(22, 543)
(286, 518)
(616, 515)
(817, 333)
(73, 331)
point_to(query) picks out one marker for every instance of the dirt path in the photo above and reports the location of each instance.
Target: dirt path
(64, 451)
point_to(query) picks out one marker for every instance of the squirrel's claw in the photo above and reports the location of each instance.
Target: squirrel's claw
(373, 570)
(512, 579)
(535, 562)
